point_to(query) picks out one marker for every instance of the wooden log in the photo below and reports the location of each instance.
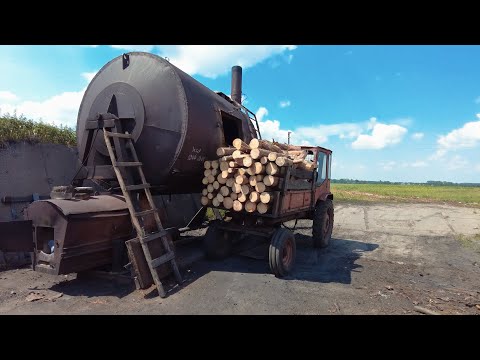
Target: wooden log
(240, 145)
(254, 197)
(246, 189)
(271, 169)
(224, 165)
(260, 187)
(272, 156)
(237, 205)
(264, 160)
(211, 179)
(205, 181)
(241, 179)
(205, 201)
(225, 151)
(250, 207)
(219, 197)
(221, 180)
(283, 161)
(241, 171)
(207, 164)
(237, 154)
(234, 164)
(238, 162)
(224, 190)
(215, 164)
(210, 196)
(258, 153)
(210, 188)
(266, 197)
(259, 177)
(270, 180)
(287, 147)
(227, 203)
(204, 192)
(259, 168)
(264, 144)
(216, 185)
(207, 172)
(236, 188)
(215, 202)
(251, 170)
(262, 208)
(233, 195)
(230, 182)
(242, 197)
(226, 158)
(231, 170)
(252, 180)
(215, 172)
(247, 161)
(225, 174)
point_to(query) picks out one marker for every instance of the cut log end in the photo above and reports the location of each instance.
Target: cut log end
(262, 208)
(250, 206)
(237, 205)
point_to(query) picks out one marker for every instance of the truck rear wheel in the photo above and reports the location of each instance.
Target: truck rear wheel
(217, 243)
(322, 223)
(282, 252)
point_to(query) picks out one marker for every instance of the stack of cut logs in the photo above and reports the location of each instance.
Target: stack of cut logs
(246, 175)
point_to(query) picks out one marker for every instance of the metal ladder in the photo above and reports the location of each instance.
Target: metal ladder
(122, 141)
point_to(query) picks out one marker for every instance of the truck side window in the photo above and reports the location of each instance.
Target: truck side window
(329, 166)
(322, 168)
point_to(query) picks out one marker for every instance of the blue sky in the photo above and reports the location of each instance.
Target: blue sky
(398, 113)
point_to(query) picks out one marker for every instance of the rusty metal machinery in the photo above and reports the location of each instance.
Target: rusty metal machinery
(176, 122)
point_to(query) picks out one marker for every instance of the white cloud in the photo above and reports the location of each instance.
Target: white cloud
(468, 136)
(270, 129)
(89, 75)
(389, 165)
(419, 164)
(417, 136)
(382, 135)
(214, 60)
(145, 48)
(456, 162)
(284, 103)
(59, 109)
(8, 96)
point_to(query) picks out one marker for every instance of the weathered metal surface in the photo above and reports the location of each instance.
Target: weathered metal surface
(176, 122)
(237, 84)
(83, 232)
(16, 236)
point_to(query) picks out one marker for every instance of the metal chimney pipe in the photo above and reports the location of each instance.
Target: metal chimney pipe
(236, 92)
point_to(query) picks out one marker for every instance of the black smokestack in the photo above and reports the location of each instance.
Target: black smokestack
(237, 84)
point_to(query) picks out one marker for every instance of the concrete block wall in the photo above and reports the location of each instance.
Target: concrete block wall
(26, 169)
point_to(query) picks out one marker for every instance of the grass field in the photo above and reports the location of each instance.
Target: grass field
(407, 193)
(15, 128)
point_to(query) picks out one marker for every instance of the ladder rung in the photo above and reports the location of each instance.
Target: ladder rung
(162, 259)
(146, 212)
(137, 187)
(153, 236)
(127, 163)
(118, 135)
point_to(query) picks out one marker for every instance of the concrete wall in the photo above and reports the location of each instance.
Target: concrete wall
(26, 169)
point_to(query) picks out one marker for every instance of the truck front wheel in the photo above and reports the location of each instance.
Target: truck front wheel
(322, 223)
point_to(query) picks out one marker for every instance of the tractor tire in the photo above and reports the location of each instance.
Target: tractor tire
(282, 252)
(322, 223)
(217, 243)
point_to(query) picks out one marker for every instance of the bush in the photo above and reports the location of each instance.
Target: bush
(15, 128)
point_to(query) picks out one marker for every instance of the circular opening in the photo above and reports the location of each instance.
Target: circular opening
(287, 253)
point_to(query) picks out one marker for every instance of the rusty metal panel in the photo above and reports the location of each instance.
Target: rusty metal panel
(16, 236)
(94, 204)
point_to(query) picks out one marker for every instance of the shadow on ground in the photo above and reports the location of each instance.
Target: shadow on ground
(332, 264)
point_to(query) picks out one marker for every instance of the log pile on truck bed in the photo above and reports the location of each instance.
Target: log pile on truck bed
(246, 176)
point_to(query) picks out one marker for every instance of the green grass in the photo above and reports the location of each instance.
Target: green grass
(15, 129)
(470, 242)
(407, 193)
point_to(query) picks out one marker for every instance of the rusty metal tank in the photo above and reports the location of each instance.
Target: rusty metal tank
(176, 122)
